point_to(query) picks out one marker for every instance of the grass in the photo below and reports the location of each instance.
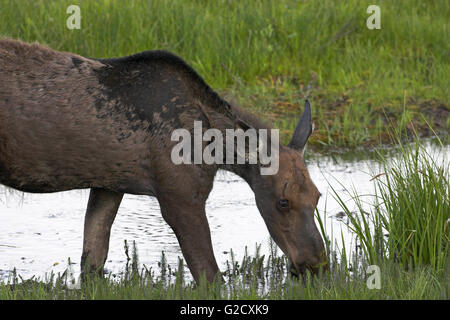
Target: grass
(409, 212)
(255, 277)
(269, 55)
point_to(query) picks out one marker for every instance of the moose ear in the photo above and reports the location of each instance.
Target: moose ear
(302, 130)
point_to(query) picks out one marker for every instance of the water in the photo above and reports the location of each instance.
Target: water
(40, 232)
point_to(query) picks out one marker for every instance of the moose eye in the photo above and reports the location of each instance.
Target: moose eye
(283, 204)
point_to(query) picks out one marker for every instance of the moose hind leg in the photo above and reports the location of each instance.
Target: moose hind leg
(101, 211)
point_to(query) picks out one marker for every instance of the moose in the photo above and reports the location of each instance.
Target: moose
(71, 122)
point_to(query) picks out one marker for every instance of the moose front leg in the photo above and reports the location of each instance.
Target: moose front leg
(188, 221)
(101, 211)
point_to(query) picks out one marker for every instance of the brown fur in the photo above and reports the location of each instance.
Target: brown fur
(44, 142)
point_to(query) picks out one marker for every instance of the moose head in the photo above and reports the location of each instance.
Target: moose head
(287, 201)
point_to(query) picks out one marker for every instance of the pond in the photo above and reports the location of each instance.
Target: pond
(40, 232)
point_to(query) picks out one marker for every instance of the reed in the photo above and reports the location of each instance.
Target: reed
(407, 222)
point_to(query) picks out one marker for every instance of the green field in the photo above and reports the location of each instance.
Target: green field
(269, 55)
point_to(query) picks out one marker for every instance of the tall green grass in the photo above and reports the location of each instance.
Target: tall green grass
(417, 208)
(407, 222)
(269, 55)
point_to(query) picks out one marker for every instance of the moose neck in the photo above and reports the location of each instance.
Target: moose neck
(250, 173)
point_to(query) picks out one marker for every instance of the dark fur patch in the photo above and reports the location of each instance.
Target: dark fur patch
(155, 57)
(77, 62)
(161, 82)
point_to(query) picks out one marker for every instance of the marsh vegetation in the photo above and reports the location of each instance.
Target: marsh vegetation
(268, 56)
(405, 234)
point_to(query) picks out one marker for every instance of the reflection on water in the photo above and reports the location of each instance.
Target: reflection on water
(40, 232)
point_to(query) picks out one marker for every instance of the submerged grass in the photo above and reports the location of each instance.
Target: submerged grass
(270, 55)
